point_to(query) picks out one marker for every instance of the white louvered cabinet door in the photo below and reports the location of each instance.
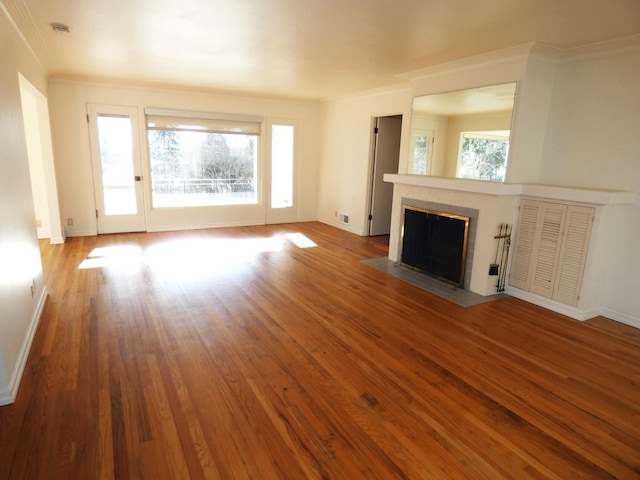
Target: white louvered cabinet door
(524, 244)
(573, 254)
(550, 249)
(547, 251)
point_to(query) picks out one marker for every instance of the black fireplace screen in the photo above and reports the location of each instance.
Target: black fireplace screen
(435, 243)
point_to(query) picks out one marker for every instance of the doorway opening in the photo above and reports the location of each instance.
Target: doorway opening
(384, 159)
(35, 114)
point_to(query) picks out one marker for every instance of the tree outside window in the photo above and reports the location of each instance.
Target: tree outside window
(191, 168)
(483, 155)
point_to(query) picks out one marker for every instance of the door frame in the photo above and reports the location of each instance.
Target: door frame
(35, 107)
(116, 223)
(373, 165)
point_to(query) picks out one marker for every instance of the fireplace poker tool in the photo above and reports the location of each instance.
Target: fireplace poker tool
(494, 268)
(505, 258)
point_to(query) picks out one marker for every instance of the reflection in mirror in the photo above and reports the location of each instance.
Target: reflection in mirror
(463, 134)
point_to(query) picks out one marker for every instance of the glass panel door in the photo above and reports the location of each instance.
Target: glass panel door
(281, 201)
(116, 161)
(281, 166)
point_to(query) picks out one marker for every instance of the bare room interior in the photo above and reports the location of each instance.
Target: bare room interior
(319, 240)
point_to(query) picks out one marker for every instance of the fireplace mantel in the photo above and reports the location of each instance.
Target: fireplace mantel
(547, 192)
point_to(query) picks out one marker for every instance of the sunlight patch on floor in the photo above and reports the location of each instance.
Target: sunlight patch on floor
(195, 258)
(121, 258)
(189, 258)
(300, 240)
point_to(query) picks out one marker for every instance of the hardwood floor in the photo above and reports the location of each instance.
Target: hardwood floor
(234, 353)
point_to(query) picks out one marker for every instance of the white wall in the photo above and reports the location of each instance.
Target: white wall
(20, 263)
(68, 103)
(592, 140)
(346, 153)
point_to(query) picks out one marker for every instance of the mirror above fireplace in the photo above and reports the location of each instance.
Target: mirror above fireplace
(462, 134)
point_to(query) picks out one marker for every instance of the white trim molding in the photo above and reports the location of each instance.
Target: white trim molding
(16, 376)
(569, 311)
(5, 396)
(631, 320)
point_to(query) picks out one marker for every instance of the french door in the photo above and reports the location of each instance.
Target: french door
(117, 172)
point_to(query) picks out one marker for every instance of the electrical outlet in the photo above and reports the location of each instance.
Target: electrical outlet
(39, 223)
(70, 222)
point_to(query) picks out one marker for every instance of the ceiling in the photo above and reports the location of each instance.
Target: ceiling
(298, 48)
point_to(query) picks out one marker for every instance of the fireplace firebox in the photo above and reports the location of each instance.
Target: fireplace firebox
(435, 243)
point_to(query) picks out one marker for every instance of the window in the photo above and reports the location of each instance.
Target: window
(421, 154)
(116, 162)
(282, 166)
(202, 160)
(483, 155)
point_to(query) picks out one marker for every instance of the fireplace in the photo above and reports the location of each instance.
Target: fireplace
(435, 242)
(488, 204)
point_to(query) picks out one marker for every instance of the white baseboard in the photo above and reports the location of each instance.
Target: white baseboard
(631, 320)
(196, 226)
(200, 226)
(56, 240)
(552, 305)
(81, 233)
(5, 396)
(341, 226)
(16, 376)
(576, 313)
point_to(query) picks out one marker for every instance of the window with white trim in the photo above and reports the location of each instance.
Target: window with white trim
(200, 159)
(483, 155)
(421, 152)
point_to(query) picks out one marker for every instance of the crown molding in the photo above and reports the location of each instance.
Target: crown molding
(518, 53)
(545, 53)
(619, 46)
(374, 92)
(20, 17)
